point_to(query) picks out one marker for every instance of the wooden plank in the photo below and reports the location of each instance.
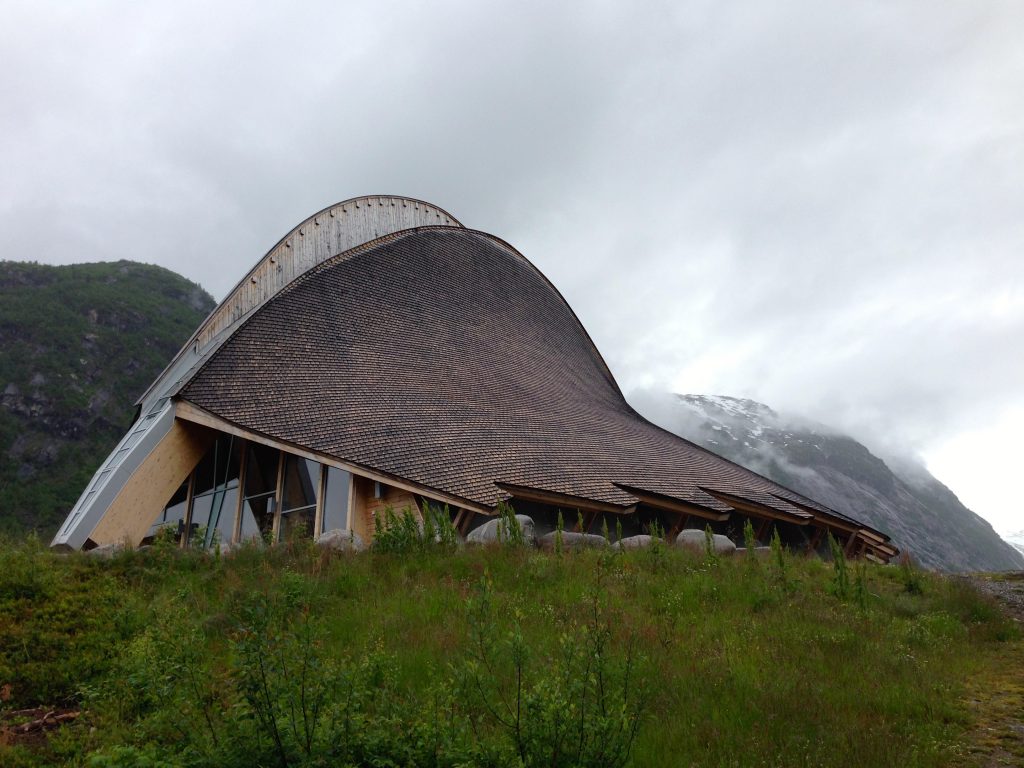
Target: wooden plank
(670, 536)
(762, 530)
(554, 498)
(236, 529)
(186, 520)
(669, 504)
(318, 516)
(812, 545)
(147, 491)
(758, 509)
(351, 509)
(851, 544)
(275, 534)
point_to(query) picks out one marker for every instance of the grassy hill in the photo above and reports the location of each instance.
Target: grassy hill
(501, 657)
(80, 343)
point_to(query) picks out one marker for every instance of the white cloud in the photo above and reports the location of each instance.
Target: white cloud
(819, 205)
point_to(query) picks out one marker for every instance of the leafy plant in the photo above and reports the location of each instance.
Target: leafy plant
(779, 559)
(396, 533)
(580, 708)
(510, 532)
(912, 581)
(840, 576)
(749, 540)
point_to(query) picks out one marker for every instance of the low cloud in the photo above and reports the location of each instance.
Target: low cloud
(815, 205)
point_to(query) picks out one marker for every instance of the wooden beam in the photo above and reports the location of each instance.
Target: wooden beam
(275, 534)
(760, 510)
(851, 543)
(812, 545)
(670, 504)
(670, 535)
(193, 413)
(457, 521)
(350, 512)
(318, 516)
(466, 522)
(243, 457)
(186, 521)
(554, 498)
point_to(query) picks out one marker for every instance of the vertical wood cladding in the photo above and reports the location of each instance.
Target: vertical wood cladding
(368, 508)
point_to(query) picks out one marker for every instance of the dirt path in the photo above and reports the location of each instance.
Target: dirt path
(997, 696)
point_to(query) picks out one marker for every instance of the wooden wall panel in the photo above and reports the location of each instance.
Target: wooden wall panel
(367, 508)
(137, 505)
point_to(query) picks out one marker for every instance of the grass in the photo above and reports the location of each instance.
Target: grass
(732, 664)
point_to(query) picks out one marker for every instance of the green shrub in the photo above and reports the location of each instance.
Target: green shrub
(393, 533)
(912, 581)
(840, 576)
(749, 541)
(510, 532)
(779, 559)
(580, 707)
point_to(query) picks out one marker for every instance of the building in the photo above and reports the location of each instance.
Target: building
(381, 354)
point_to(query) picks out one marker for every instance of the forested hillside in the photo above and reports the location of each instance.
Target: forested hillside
(78, 345)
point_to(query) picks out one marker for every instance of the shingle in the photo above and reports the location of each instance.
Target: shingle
(442, 356)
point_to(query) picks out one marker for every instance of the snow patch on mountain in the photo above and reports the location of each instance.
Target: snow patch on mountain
(1015, 540)
(896, 495)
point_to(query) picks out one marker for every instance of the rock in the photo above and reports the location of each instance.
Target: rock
(643, 541)
(228, 547)
(759, 551)
(696, 539)
(572, 540)
(493, 531)
(106, 552)
(341, 540)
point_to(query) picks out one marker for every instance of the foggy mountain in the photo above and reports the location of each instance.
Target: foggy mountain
(901, 498)
(1016, 540)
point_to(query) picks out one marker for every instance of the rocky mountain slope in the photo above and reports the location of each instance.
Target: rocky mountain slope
(78, 345)
(901, 498)
(1016, 540)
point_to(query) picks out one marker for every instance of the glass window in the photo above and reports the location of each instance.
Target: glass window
(213, 514)
(299, 497)
(260, 469)
(260, 489)
(336, 499)
(219, 466)
(216, 492)
(174, 512)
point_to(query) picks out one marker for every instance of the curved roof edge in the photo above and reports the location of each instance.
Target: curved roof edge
(328, 232)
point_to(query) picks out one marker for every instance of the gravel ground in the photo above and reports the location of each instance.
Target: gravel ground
(1007, 588)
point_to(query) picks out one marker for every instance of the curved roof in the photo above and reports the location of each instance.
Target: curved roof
(327, 232)
(442, 356)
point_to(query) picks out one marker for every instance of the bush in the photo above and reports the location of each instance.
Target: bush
(581, 708)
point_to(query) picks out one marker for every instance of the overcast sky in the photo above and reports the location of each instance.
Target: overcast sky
(816, 204)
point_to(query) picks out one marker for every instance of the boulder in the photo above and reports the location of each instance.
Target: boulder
(696, 539)
(106, 552)
(341, 540)
(572, 540)
(643, 541)
(760, 551)
(493, 531)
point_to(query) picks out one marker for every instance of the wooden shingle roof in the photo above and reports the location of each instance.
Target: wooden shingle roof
(442, 356)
